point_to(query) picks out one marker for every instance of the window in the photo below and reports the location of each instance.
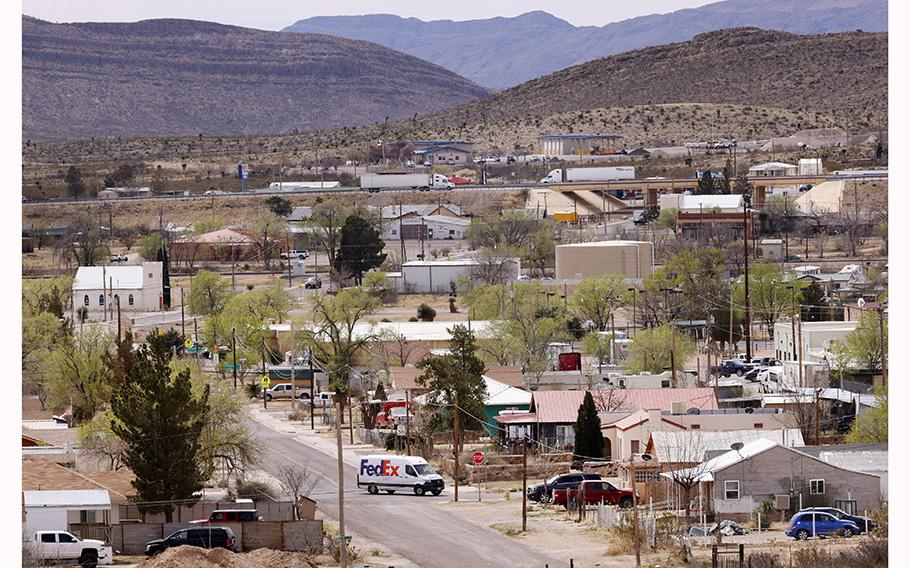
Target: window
(48, 537)
(88, 517)
(645, 475)
(731, 490)
(664, 384)
(410, 471)
(451, 232)
(695, 427)
(101, 300)
(758, 425)
(130, 300)
(816, 487)
(152, 276)
(635, 446)
(66, 537)
(394, 231)
(85, 300)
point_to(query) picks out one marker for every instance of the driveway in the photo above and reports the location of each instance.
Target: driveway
(410, 526)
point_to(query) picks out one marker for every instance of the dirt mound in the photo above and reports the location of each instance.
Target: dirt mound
(183, 556)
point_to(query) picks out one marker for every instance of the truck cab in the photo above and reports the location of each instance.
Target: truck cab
(441, 182)
(63, 546)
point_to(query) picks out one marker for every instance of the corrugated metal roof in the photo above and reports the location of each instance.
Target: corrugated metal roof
(666, 444)
(562, 406)
(70, 499)
(501, 394)
(857, 461)
(97, 277)
(706, 470)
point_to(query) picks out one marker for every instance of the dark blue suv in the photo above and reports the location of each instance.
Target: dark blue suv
(815, 523)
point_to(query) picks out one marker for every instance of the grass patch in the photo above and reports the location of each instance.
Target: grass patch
(510, 529)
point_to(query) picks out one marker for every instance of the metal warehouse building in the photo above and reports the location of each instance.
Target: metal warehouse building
(632, 259)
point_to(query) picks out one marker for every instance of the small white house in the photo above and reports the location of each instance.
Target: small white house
(773, 169)
(57, 510)
(138, 288)
(438, 275)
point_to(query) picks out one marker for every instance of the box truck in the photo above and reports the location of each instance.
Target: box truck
(424, 182)
(392, 473)
(589, 174)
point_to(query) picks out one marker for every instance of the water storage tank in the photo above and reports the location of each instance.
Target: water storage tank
(570, 361)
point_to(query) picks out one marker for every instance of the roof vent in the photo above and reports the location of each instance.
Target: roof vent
(693, 410)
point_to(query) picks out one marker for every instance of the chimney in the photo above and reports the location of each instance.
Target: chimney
(654, 417)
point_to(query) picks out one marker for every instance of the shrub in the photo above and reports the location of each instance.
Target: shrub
(253, 390)
(426, 313)
(412, 318)
(766, 510)
(255, 490)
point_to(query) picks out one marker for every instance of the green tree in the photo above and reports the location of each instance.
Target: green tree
(360, 249)
(871, 427)
(706, 184)
(96, 437)
(813, 302)
(123, 175)
(44, 329)
(459, 371)
(589, 440)
(597, 345)
(74, 182)
(162, 257)
(328, 218)
(209, 292)
(726, 176)
(279, 206)
(722, 322)
(84, 241)
(77, 375)
(160, 421)
(667, 218)
(266, 232)
(650, 350)
(150, 246)
(770, 296)
(541, 250)
(864, 344)
(596, 298)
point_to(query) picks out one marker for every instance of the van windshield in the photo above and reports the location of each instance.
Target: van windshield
(424, 469)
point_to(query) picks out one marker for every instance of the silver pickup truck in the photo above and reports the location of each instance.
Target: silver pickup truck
(63, 547)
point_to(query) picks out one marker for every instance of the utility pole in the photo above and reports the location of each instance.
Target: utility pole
(404, 252)
(182, 315)
(265, 401)
(524, 484)
(799, 353)
(407, 420)
(350, 418)
(747, 319)
(455, 444)
(234, 354)
(635, 511)
(342, 543)
(884, 344)
(117, 299)
(293, 382)
(312, 392)
(196, 340)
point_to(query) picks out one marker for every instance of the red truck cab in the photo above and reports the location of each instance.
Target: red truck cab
(595, 491)
(384, 418)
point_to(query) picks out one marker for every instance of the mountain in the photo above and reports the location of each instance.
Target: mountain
(503, 52)
(184, 77)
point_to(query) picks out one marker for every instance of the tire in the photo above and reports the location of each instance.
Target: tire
(372, 489)
(390, 491)
(268, 397)
(802, 534)
(847, 532)
(739, 372)
(626, 503)
(88, 559)
(419, 490)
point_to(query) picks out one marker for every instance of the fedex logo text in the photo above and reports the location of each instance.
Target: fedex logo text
(384, 468)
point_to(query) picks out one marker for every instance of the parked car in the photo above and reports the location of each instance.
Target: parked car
(301, 254)
(808, 523)
(119, 257)
(594, 491)
(61, 545)
(230, 516)
(731, 367)
(865, 524)
(544, 491)
(284, 390)
(207, 537)
(312, 283)
(510, 160)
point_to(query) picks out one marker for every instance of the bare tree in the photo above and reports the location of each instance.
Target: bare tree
(685, 453)
(608, 399)
(493, 267)
(297, 483)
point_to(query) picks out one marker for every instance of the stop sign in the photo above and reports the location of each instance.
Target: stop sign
(478, 458)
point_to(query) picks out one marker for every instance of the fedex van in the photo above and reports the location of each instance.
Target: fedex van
(391, 473)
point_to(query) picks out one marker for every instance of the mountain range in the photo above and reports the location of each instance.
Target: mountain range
(184, 77)
(503, 52)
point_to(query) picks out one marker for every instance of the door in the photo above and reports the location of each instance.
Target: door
(68, 545)
(47, 545)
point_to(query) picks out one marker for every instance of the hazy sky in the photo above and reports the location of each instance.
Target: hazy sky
(276, 14)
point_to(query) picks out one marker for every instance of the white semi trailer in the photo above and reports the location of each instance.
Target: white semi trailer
(424, 182)
(562, 175)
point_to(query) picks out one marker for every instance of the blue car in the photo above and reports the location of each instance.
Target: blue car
(802, 525)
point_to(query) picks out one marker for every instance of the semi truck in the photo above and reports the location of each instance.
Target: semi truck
(424, 182)
(589, 174)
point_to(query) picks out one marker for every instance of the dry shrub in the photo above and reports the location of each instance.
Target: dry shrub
(622, 536)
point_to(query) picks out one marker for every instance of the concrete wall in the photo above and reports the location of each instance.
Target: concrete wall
(268, 510)
(632, 259)
(131, 538)
(780, 471)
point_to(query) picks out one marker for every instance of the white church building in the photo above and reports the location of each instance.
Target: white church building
(139, 288)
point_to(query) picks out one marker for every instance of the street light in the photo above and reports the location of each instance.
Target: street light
(644, 457)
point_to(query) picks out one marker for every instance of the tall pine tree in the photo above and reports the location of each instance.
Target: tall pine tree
(589, 441)
(360, 249)
(160, 421)
(165, 276)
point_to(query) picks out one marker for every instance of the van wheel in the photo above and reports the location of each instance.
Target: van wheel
(419, 490)
(437, 491)
(372, 489)
(390, 491)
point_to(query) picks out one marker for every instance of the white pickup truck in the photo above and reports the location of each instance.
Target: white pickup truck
(63, 547)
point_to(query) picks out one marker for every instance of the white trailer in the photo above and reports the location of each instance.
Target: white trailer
(424, 182)
(589, 174)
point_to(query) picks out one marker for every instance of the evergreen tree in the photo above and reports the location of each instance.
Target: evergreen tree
(279, 206)
(165, 275)
(360, 249)
(726, 180)
(589, 441)
(74, 182)
(706, 184)
(160, 421)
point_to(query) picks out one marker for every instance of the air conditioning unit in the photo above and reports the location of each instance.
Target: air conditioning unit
(782, 502)
(678, 407)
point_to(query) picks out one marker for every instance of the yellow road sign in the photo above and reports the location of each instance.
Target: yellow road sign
(265, 382)
(188, 343)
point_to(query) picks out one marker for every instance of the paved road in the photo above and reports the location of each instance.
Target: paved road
(408, 525)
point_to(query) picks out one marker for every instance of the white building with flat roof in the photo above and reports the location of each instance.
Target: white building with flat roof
(702, 203)
(139, 288)
(632, 259)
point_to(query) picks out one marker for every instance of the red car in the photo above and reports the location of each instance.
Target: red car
(594, 492)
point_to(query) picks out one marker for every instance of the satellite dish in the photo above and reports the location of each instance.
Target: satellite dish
(736, 446)
(861, 303)
(693, 411)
